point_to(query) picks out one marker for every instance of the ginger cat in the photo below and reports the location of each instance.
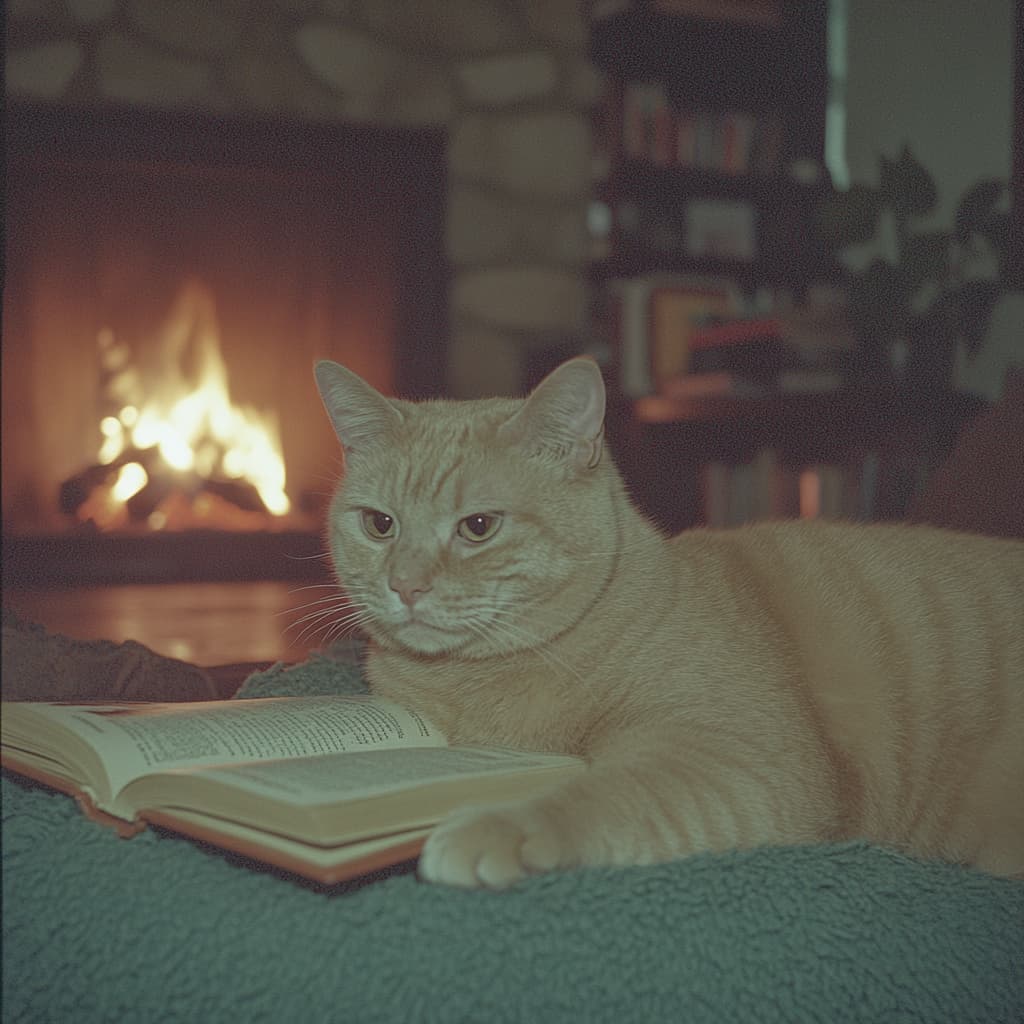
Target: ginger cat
(783, 683)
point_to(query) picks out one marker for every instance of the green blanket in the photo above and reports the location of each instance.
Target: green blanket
(158, 929)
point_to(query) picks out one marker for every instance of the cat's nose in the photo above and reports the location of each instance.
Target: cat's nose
(410, 591)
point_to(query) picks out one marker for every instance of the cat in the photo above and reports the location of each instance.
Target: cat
(778, 683)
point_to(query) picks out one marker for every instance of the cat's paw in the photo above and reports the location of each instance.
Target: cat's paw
(492, 848)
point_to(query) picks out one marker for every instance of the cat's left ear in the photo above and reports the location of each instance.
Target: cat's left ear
(563, 416)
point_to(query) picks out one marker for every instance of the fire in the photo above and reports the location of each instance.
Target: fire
(181, 426)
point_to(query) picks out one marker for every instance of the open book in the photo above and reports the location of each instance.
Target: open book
(325, 787)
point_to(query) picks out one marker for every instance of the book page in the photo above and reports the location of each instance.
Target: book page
(339, 798)
(311, 781)
(137, 739)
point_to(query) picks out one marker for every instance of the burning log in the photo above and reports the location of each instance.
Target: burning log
(143, 503)
(76, 490)
(240, 493)
(158, 497)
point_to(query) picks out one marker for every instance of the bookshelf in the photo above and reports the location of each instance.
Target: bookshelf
(710, 142)
(867, 451)
(709, 169)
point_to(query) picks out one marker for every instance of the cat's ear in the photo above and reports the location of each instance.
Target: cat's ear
(360, 415)
(563, 416)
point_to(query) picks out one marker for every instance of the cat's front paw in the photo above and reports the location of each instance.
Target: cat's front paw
(492, 847)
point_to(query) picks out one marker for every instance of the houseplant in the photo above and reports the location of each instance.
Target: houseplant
(911, 312)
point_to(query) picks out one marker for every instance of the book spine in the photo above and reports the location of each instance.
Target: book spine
(632, 121)
(686, 140)
(786, 492)
(765, 474)
(824, 491)
(767, 489)
(716, 495)
(833, 492)
(810, 495)
(704, 156)
(634, 338)
(664, 130)
(744, 142)
(868, 486)
(741, 494)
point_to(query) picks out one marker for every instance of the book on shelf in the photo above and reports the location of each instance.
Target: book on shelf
(737, 331)
(729, 384)
(768, 349)
(654, 318)
(823, 493)
(328, 788)
(684, 336)
(746, 492)
(685, 386)
(714, 485)
(748, 347)
(766, 487)
(728, 142)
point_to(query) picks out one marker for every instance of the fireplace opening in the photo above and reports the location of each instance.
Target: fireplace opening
(170, 280)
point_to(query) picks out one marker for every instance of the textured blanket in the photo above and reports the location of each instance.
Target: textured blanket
(156, 928)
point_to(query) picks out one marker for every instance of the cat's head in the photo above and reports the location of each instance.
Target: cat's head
(478, 527)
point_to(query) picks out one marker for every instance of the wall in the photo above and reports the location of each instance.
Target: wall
(508, 80)
(937, 75)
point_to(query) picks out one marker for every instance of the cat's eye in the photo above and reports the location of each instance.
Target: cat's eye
(479, 527)
(378, 525)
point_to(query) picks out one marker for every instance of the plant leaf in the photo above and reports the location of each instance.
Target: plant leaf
(926, 257)
(850, 217)
(997, 230)
(977, 207)
(906, 186)
(975, 301)
(879, 303)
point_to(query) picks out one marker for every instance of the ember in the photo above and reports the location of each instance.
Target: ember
(174, 452)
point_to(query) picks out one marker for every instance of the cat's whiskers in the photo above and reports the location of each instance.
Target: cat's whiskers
(329, 620)
(338, 599)
(315, 586)
(351, 629)
(330, 599)
(317, 614)
(323, 556)
(311, 629)
(346, 624)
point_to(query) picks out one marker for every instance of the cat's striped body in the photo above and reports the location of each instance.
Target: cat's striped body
(780, 683)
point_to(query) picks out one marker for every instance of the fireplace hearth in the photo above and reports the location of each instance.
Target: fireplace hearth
(284, 243)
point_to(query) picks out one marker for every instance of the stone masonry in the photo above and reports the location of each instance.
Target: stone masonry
(508, 79)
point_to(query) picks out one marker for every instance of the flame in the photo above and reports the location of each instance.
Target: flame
(191, 424)
(130, 480)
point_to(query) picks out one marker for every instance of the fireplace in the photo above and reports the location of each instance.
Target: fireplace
(170, 280)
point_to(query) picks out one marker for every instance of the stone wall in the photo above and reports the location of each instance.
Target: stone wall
(508, 79)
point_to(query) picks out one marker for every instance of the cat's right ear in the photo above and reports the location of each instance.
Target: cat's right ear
(360, 415)
(563, 417)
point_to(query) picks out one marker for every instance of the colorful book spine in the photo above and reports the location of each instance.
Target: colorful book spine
(723, 142)
(734, 493)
